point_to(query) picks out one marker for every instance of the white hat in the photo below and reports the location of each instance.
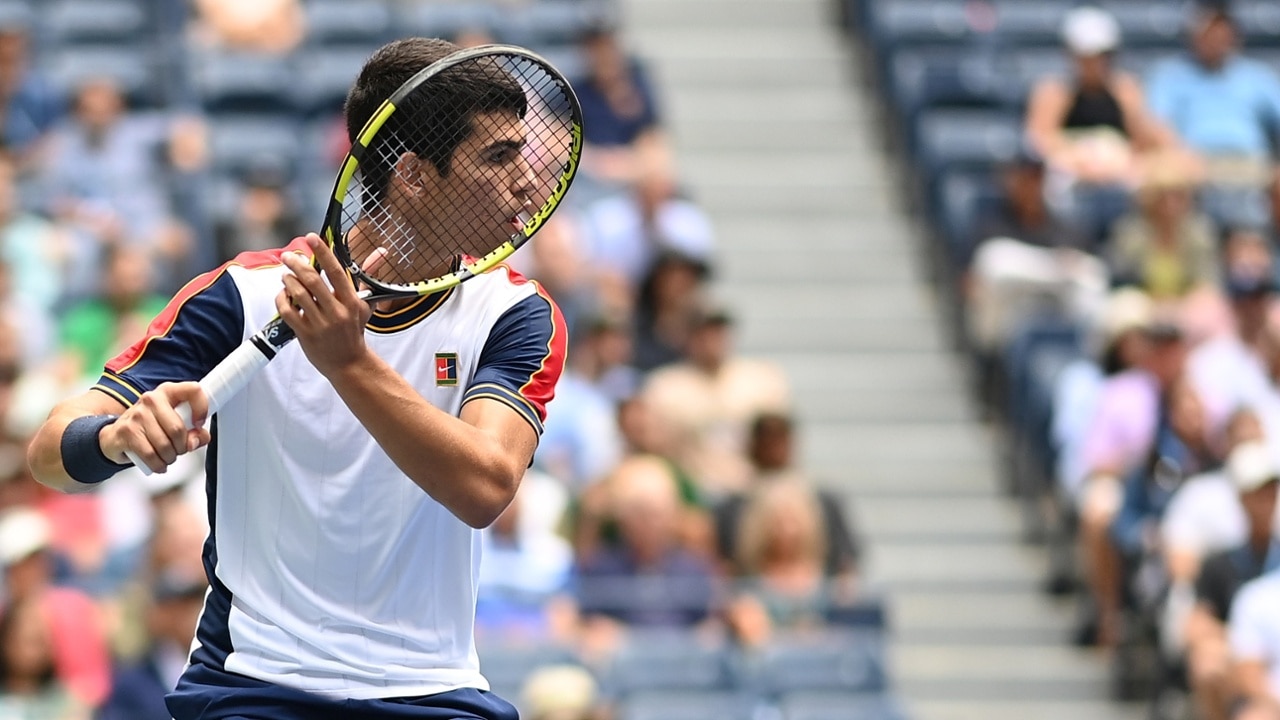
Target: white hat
(1127, 309)
(23, 531)
(1090, 31)
(556, 691)
(1250, 466)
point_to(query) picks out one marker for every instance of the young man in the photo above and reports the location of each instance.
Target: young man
(346, 483)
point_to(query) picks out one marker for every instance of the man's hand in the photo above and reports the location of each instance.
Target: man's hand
(152, 429)
(329, 322)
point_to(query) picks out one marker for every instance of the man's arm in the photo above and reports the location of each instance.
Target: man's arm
(471, 464)
(150, 428)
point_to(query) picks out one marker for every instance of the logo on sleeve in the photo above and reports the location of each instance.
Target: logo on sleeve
(446, 369)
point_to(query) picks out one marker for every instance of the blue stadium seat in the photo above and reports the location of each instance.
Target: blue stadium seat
(1149, 23)
(348, 22)
(839, 706)
(131, 67)
(446, 19)
(242, 142)
(1260, 22)
(686, 706)
(963, 197)
(904, 23)
(966, 139)
(547, 23)
(17, 13)
(243, 82)
(325, 74)
(669, 661)
(943, 77)
(846, 661)
(93, 21)
(1031, 22)
(507, 666)
(1021, 68)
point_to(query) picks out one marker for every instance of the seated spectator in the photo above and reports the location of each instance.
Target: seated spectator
(782, 554)
(561, 692)
(265, 215)
(270, 26)
(621, 123)
(1253, 478)
(666, 305)
(1253, 636)
(771, 450)
(581, 441)
(29, 106)
(139, 685)
(104, 177)
(1117, 442)
(79, 647)
(625, 232)
(709, 401)
(93, 331)
(526, 565)
(1027, 255)
(648, 580)
(1091, 126)
(1221, 106)
(29, 685)
(1166, 246)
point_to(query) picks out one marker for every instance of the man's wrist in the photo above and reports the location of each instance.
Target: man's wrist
(82, 455)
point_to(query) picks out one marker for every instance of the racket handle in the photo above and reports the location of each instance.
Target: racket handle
(234, 372)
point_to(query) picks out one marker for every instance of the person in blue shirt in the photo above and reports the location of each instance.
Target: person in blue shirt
(1224, 107)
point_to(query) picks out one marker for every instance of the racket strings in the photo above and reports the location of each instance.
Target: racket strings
(504, 152)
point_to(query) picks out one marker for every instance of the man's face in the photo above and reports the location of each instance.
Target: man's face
(1212, 42)
(490, 182)
(1260, 506)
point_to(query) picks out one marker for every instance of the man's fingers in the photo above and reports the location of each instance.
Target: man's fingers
(299, 295)
(343, 289)
(310, 279)
(288, 313)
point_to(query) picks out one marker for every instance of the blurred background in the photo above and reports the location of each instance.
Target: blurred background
(923, 353)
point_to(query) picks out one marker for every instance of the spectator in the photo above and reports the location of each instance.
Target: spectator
(1222, 106)
(581, 441)
(666, 306)
(621, 123)
(526, 565)
(265, 215)
(1167, 246)
(1253, 635)
(92, 331)
(139, 686)
(782, 552)
(771, 450)
(561, 692)
(1091, 127)
(268, 26)
(103, 178)
(29, 107)
(1119, 440)
(649, 580)
(625, 232)
(1253, 477)
(33, 248)
(709, 400)
(79, 647)
(1025, 254)
(29, 686)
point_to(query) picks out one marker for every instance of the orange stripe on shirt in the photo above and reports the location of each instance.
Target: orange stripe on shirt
(541, 386)
(163, 323)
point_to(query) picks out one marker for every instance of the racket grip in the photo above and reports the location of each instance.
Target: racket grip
(221, 384)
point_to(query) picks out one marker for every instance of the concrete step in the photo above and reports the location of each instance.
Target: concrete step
(729, 197)
(1040, 709)
(956, 563)
(668, 15)
(915, 518)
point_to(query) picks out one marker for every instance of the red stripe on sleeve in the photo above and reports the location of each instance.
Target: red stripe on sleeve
(163, 323)
(542, 385)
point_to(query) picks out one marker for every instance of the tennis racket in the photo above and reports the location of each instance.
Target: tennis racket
(456, 170)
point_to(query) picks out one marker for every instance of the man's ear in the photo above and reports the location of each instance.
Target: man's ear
(411, 173)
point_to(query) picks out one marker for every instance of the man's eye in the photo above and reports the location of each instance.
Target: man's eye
(499, 157)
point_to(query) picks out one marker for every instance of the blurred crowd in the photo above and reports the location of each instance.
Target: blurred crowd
(1142, 211)
(667, 495)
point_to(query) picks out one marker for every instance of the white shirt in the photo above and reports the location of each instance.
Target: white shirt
(1254, 626)
(331, 572)
(1205, 516)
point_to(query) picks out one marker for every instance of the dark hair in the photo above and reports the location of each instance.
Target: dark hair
(9, 626)
(769, 421)
(478, 87)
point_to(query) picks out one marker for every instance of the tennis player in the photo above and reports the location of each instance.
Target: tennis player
(347, 482)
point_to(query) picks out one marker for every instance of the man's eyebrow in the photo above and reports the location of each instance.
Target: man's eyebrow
(507, 145)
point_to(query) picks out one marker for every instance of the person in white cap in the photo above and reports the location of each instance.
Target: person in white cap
(1251, 475)
(1088, 125)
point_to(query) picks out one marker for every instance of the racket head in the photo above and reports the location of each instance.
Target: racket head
(455, 171)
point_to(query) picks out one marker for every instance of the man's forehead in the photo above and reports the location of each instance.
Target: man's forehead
(501, 126)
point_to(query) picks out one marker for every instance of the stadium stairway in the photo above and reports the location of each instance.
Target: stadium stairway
(779, 141)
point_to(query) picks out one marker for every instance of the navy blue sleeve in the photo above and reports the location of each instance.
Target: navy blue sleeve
(523, 358)
(200, 326)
